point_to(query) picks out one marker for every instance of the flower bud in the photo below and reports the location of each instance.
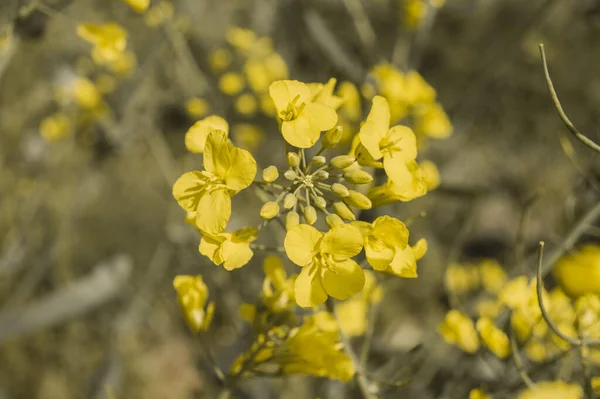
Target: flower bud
(332, 137)
(342, 209)
(290, 175)
(310, 215)
(292, 219)
(321, 175)
(358, 176)
(293, 159)
(289, 201)
(333, 220)
(358, 200)
(340, 190)
(319, 160)
(269, 210)
(342, 161)
(270, 174)
(320, 202)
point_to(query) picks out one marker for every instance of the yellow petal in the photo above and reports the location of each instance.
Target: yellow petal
(404, 263)
(380, 115)
(236, 254)
(301, 244)
(370, 136)
(379, 258)
(406, 142)
(352, 316)
(242, 171)
(396, 169)
(420, 248)
(217, 157)
(210, 247)
(188, 189)
(275, 272)
(300, 132)
(195, 138)
(139, 5)
(343, 279)
(391, 231)
(343, 242)
(322, 117)
(308, 288)
(214, 211)
(283, 92)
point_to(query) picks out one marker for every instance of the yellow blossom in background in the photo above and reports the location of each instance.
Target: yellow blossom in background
(458, 329)
(261, 72)
(55, 127)
(231, 83)
(396, 145)
(138, 5)
(159, 14)
(383, 239)
(431, 120)
(517, 292)
(492, 274)
(414, 12)
(109, 40)
(124, 64)
(192, 295)
(219, 59)
(479, 394)
(232, 250)
(228, 170)
(353, 313)
(351, 105)
(247, 136)
(552, 390)
(106, 83)
(579, 273)
(494, 338)
(196, 107)
(489, 308)
(302, 120)
(461, 279)
(246, 104)
(195, 137)
(278, 289)
(325, 95)
(327, 267)
(587, 310)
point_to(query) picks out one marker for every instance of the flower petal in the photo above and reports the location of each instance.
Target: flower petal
(380, 114)
(236, 255)
(283, 93)
(404, 263)
(242, 170)
(396, 170)
(406, 142)
(195, 138)
(214, 211)
(343, 279)
(370, 136)
(322, 117)
(301, 244)
(210, 247)
(188, 189)
(391, 231)
(300, 132)
(308, 288)
(217, 157)
(343, 242)
(380, 259)
(275, 272)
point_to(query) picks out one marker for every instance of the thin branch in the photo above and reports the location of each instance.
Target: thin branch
(578, 135)
(363, 26)
(516, 355)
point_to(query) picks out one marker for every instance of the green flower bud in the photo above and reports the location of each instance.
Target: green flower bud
(320, 202)
(358, 176)
(290, 175)
(342, 209)
(342, 161)
(333, 220)
(319, 160)
(321, 175)
(270, 174)
(293, 159)
(358, 200)
(289, 201)
(269, 210)
(310, 215)
(332, 137)
(292, 219)
(340, 190)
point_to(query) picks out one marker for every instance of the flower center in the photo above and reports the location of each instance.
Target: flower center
(292, 111)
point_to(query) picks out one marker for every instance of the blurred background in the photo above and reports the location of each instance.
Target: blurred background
(91, 238)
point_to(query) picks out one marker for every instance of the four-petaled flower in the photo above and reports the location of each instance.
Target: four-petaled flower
(232, 250)
(327, 267)
(228, 170)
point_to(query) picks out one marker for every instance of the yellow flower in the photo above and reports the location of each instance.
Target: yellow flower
(109, 40)
(219, 59)
(383, 239)
(138, 5)
(458, 329)
(587, 309)
(405, 261)
(327, 269)
(489, 308)
(83, 91)
(414, 12)
(228, 170)
(261, 72)
(158, 14)
(479, 394)
(192, 295)
(494, 338)
(246, 104)
(416, 187)
(124, 64)
(579, 273)
(552, 390)
(302, 120)
(55, 127)
(248, 136)
(352, 314)
(461, 280)
(196, 107)
(516, 293)
(397, 145)
(431, 120)
(232, 250)
(351, 107)
(278, 290)
(325, 95)
(231, 83)
(195, 137)
(493, 275)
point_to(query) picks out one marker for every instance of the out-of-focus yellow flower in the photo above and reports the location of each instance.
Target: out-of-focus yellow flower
(515, 293)
(396, 145)
(232, 250)
(414, 12)
(231, 83)
(325, 95)
(478, 393)
(493, 276)
(85, 93)
(247, 136)
(458, 329)
(109, 40)
(351, 106)
(552, 390)
(106, 83)
(327, 267)
(385, 237)
(461, 279)
(138, 5)
(493, 337)
(579, 273)
(278, 290)
(431, 120)
(124, 64)
(192, 295)
(196, 107)
(261, 72)
(241, 39)
(159, 14)
(302, 120)
(195, 137)
(489, 308)
(587, 309)
(353, 313)
(429, 174)
(228, 170)
(219, 59)
(55, 127)
(246, 104)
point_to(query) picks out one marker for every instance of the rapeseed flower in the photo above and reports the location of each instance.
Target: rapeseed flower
(232, 250)
(195, 137)
(109, 40)
(192, 295)
(458, 329)
(552, 390)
